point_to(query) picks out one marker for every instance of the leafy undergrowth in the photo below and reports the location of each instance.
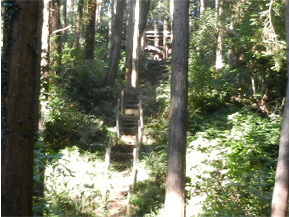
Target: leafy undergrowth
(73, 185)
(148, 197)
(230, 172)
(231, 164)
(76, 184)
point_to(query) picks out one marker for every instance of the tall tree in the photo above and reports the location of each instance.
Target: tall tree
(141, 9)
(135, 46)
(64, 16)
(90, 30)
(111, 16)
(144, 10)
(175, 182)
(202, 7)
(166, 29)
(114, 55)
(70, 5)
(20, 104)
(45, 46)
(165, 38)
(98, 12)
(129, 40)
(280, 193)
(219, 57)
(56, 46)
(78, 23)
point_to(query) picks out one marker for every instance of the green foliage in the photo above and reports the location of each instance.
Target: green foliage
(236, 162)
(42, 158)
(236, 149)
(253, 65)
(206, 89)
(68, 126)
(83, 84)
(73, 185)
(85, 79)
(148, 197)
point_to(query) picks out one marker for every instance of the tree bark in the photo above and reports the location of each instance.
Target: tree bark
(56, 46)
(202, 7)
(70, 4)
(135, 46)
(144, 10)
(280, 193)
(78, 23)
(129, 41)
(116, 44)
(98, 13)
(111, 17)
(45, 47)
(219, 49)
(165, 38)
(20, 103)
(90, 30)
(175, 182)
(64, 11)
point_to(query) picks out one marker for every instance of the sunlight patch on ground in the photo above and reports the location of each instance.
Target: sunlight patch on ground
(76, 179)
(200, 152)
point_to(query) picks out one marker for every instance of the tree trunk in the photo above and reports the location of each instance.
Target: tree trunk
(70, 4)
(98, 13)
(202, 7)
(114, 55)
(20, 103)
(78, 23)
(56, 45)
(165, 38)
(175, 182)
(219, 57)
(64, 11)
(144, 10)
(129, 41)
(280, 194)
(44, 77)
(156, 39)
(135, 46)
(45, 47)
(90, 30)
(111, 17)
(166, 30)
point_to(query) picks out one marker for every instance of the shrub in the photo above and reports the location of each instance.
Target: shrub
(235, 169)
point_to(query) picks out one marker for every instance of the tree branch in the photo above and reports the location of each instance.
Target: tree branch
(61, 30)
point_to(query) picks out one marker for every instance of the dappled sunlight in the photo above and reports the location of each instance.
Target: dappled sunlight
(75, 184)
(225, 167)
(76, 179)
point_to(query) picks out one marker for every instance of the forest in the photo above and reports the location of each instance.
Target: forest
(144, 108)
